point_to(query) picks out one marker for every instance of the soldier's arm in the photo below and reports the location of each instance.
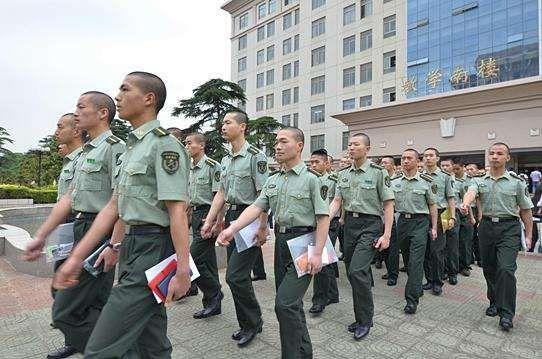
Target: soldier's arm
(450, 196)
(527, 219)
(433, 211)
(179, 233)
(216, 206)
(335, 206)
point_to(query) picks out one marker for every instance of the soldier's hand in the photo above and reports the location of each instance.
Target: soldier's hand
(109, 257)
(206, 230)
(261, 236)
(433, 234)
(68, 274)
(464, 208)
(178, 285)
(472, 220)
(33, 249)
(314, 264)
(341, 221)
(528, 243)
(217, 228)
(382, 243)
(225, 237)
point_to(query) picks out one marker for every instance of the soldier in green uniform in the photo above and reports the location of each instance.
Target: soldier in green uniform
(71, 137)
(467, 221)
(204, 183)
(244, 172)
(473, 171)
(75, 310)
(415, 203)
(504, 198)
(364, 191)
(451, 252)
(442, 187)
(150, 198)
(299, 202)
(325, 290)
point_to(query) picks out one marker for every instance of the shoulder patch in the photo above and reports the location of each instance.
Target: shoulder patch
(515, 175)
(460, 180)
(160, 132)
(398, 175)
(314, 172)
(113, 139)
(345, 168)
(211, 162)
(426, 177)
(374, 165)
(274, 172)
(253, 149)
(447, 173)
(333, 177)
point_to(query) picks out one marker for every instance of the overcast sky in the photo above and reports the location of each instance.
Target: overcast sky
(53, 50)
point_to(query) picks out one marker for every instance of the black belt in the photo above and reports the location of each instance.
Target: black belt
(298, 229)
(86, 216)
(413, 215)
(499, 219)
(237, 207)
(145, 229)
(70, 218)
(361, 215)
(200, 207)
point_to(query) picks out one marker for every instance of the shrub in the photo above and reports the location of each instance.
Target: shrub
(39, 195)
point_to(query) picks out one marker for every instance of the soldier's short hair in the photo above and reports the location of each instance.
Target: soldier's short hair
(198, 137)
(501, 144)
(473, 164)
(101, 100)
(239, 116)
(458, 161)
(366, 139)
(320, 152)
(299, 136)
(447, 159)
(413, 150)
(71, 118)
(148, 82)
(437, 153)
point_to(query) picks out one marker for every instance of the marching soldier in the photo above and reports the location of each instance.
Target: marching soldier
(364, 190)
(473, 171)
(76, 310)
(298, 200)
(244, 171)
(204, 183)
(150, 198)
(504, 198)
(452, 235)
(325, 290)
(442, 187)
(415, 203)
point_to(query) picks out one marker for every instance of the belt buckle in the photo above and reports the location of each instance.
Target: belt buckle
(282, 229)
(408, 215)
(495, 219)
(233, 207)
(78, 215)
(355, 214)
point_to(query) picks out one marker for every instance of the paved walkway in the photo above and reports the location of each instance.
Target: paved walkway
(450, 326)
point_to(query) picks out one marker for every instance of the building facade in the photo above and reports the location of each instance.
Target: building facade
(380, 66)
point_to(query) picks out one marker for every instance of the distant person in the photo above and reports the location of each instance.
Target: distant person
(535, 179)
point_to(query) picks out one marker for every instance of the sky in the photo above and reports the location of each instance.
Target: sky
(54, 50)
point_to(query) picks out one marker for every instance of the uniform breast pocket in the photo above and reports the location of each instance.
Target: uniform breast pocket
(299, 202)
(66, 175)
(418, 196)
(367, 191)
(272, 196)
(508, 198)
(243, 180)
(92, 178)
(136, 180)
(399, 195)
(344, 188)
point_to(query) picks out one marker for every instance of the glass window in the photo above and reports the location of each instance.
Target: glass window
(287, 46)
(389, 62)
(260, 33)
(286, 120)
(259, 103)
(243, 21)
(260, 57)
(318, 113)
(318, 85)
(270, 77)
(388, 94)
(271, 28)
(286, 97)
(389, 26)
(296, 16)
(242, 42)
(296, 68)
(318, 142)
(349, 45)
(272, 6)
(345, 138)
(242, 64)
(270, 52)
(318, 56)
(296, 42)
(365, 72)
(349, 104)
(242, 84)
(296, 120)
(366, 40)
(262, 10)
(365, 101)
(269, 101)
(318, 27)
(296, 94)
(286, 72)
(366, 8)
(260, 80)
(287, 21)
(349, 77)
(317, 3)
(349, 14)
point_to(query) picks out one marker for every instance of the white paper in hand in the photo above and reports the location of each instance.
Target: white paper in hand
(155, 270)
(302, 247)
(245, 238)
(59, 243)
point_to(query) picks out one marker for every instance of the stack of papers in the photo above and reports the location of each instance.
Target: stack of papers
(245, 238)
(303, 247)
(159, 276)
(59, 243)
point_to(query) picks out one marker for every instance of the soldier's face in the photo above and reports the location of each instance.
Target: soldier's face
(430, 158)
(87, 115)
(458, 170)
(420, 166)
(318, 163)
(357, 149)
(498, 156)
(472, 170)
(388, 164)
(65, 128)
(345, 162)
(131, 101)
(446, 166)
(286, 147)
(231, 129)
(409, 160)
(193, 147)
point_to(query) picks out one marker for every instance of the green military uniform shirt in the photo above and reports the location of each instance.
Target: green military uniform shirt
(243, 175)
(413, 195)
(461, 186)
(364, 189)
(69, 165)
(154, 169)
(500, 197)
(296, 197)
(442, 187)
(94, 182)
(204, 181)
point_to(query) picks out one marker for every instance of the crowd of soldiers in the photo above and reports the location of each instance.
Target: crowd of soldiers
(141, 197)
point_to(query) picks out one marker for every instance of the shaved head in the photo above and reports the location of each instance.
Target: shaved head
(150, 83)
(238, 116)
(297, 134)
(100, 101)
(198, 137)
(366, 139)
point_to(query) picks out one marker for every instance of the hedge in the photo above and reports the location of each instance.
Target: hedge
(39, 195)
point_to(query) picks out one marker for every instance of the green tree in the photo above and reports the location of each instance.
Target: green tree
(120, 129)
(10, 165)
(262, 133)
(4, 139)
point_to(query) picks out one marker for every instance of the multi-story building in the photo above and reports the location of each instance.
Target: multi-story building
(452, 74)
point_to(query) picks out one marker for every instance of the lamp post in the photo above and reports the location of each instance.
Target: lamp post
(39, 152)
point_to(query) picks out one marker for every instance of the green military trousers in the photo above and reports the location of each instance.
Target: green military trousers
(325, 290)
(247, 309)
(76, 309)
(452, 251)
(295, 341)
(204, 255)
(391, 256)
(359, 236)
(412, 237)
(465, 241)
(434, 256)
(132, 324)
(499, 245)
